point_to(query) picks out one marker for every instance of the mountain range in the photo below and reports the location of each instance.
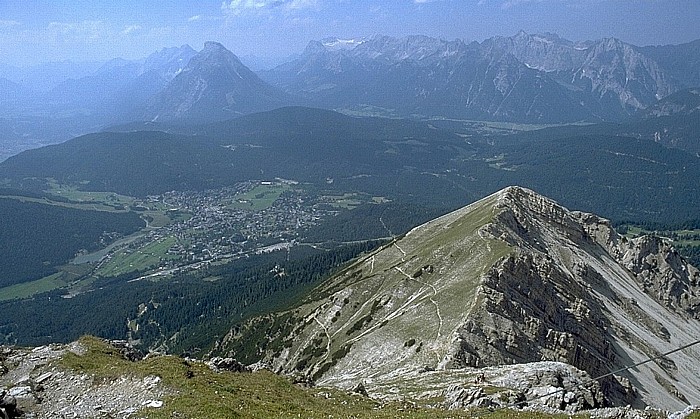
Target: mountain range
(120, 88)
(539, 78)
(529, 78)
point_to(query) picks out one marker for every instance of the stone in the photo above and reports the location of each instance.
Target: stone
(43, 377)
(360, 389)
(151, 381)
(260, 365)
(20, 391)
(8, 405)
(458, 397)
(127, 351)
(219, 364)
(154, 404)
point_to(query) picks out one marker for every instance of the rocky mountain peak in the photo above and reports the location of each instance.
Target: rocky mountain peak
(521, 34)
(214, 85)
(620, 71)
(416, 47)
(314, 47)
(546, 37)
(335, 44)
(613, 44)
(213, 46)
(658, 268)
(514, 278)
(215, 55)
(180, 54)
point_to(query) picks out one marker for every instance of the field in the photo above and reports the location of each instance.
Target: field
(61, 279)
(94, 205)
(27, 289)
(687, 237)
(352, 200)
(346, 201)
(98, 201)
(259, 198)
(128, 260)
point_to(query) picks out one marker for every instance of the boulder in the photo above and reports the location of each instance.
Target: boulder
(219, 364)
(8, 405)
(127, 351)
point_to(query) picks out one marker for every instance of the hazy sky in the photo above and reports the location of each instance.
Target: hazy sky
(88, 30)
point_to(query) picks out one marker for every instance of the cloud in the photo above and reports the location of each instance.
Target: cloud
(9, 24)
(86, 30)
(302, 4)
(508, 4)
(195, 18)
(239, 7)
(131, 29)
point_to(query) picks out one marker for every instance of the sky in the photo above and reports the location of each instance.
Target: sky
(32, 31)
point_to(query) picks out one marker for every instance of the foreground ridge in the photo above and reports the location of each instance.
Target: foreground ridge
(92, 378)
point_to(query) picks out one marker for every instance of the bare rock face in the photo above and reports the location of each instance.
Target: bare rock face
(656, 266)
(534, 307)
(8, 405)
(532, 310)
(549, 300)
(664, 274)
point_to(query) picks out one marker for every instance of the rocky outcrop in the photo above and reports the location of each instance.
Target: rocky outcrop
(532, 310)
(616, 71)
(656, 266)
(219, 364)
(34, 385)
(542, 385)
(127, 351)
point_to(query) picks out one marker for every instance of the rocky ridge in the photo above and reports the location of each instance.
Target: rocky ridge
(514, 279)
(684, 102)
